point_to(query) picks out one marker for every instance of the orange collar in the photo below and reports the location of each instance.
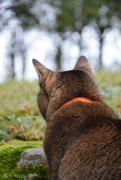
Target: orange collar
(82, 99)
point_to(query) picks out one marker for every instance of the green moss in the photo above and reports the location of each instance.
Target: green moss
(10, 154)
(19, 142)
(41, 170)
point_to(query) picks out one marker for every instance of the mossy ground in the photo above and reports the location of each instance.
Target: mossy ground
(10, 154)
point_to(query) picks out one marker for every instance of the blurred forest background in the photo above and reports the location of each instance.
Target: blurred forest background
(56, 32)
(63, 23)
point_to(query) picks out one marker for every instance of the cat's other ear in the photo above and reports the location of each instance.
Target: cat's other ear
(41, 70)
(83, 64)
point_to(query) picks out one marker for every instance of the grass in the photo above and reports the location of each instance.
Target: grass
(19, 114)
(14, 95)
(110, 84)
(108, 79)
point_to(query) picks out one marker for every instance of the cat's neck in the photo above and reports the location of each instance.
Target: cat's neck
(82, 99)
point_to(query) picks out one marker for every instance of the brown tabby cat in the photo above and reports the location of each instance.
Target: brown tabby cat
(83, 135)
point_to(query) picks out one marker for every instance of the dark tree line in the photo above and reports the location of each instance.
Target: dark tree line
(68, 17)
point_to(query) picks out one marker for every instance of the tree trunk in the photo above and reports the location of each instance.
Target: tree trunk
(58, 58)
(12, 66)
(12, 54)
(100, 53)
(101, 40)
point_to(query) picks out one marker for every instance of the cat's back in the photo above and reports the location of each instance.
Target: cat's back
(90, 144)
(95, 155)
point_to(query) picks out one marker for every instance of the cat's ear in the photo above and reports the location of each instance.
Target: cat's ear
(41, 70)
(83, 64)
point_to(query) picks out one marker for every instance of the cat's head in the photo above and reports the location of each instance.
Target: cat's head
(56, 88)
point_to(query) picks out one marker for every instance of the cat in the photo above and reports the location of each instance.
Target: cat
(83, 134)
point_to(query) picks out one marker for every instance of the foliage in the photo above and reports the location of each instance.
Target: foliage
(18, 17)
(61, 19)
(74, 16)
